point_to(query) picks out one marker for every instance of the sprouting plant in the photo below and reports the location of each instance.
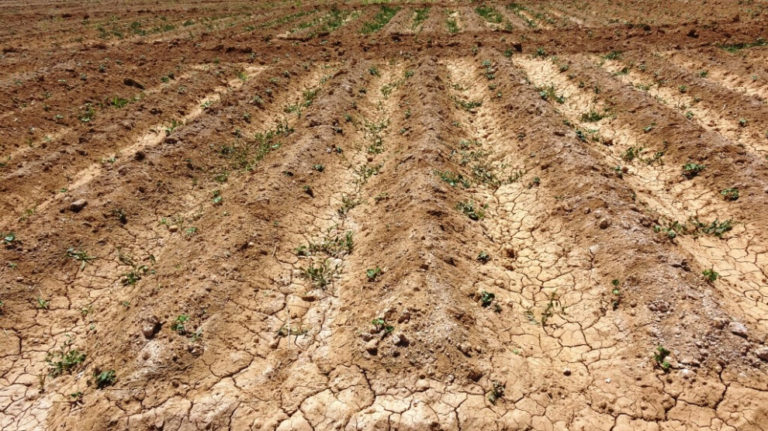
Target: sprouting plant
(64, 360)
(104, 378)
(496, 392)
(616, 292)
(613, 55)
(592, 116)
(716, 227)
(683, 88)
(483, 257)
(8, 238)
(373, 273)
(137, 271)
(453, 179)
(661, 358)
(540, 52)
(381, 325)
(178, 324)
(690, 170)
(453, 26)
(486, 298)
(470, 210)
(632, 153)
(79, 255)
(743, 122)
(120, 215)
(321, 275)
(318, 167)
(711, 275)
(43, 304)
(489, 13)
(730, 194)
(373, 70)
(549, 92)
(347, 203)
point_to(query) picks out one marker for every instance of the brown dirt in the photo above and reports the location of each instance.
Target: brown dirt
(225, 215)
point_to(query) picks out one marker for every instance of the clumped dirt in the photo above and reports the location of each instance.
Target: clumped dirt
(283, 216)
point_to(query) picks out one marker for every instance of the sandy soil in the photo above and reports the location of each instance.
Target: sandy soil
(447, 216)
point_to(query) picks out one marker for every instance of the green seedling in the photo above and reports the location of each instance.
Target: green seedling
(79, 255)
(616, 292)
(486, 298)
(470, 210)
(483, 257)
(496, 392)
(691, 170)
(660, 357)
(381, 325)
(730, 194)
(711, 275)
(178, 324)
(64, 360)
(373, 273)
(104, 378)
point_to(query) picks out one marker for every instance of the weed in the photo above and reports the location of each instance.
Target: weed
(483, 257)
(104, 378)
(592, 116)
(468, 105)
(540, 52)
(489, 13)
(683, 89)
(716, 227)
(382, 325)
(632, 153)
(453, 179)
(690, 170)
(616, 292)
(421, 16)
(318, 168)
(64, 360)
(347, 203)
(321, 276)
(178, 324)
(374, 71)
(373, 273)
(711, 275)
(660, 357)
(137, 271)
(79, 255)
(486, 298)
(470, 210)
(381, 19)
(43, 304)
(735, 47)
(730, 194)
(613, 55)
(453, 26)
(548, 93)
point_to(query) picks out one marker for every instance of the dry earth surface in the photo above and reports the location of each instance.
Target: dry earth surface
(544, 215)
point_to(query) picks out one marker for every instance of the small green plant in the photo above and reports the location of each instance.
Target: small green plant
(42, 304)
(486, 298)
(549, 93)
(660, 357)
(613, 55)
(373, 273)
(743, 122)
(380, 19)
(178, 324)
(64, 360)
(489, 13)
(483, 257)
(683, 89)
(421, 16)
(592, 117)
(730, 194)
(496, 392)
(318, 167)
(382, 325)
(711, 275)
(616, 292)
(217, 198)
(453, 179)
(471, 210)
(321, 275)
(104, 378)
(453, 26)
(79, 255)
(691, 170)
(716, 227)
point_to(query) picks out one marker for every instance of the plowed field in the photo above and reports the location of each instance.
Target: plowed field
(370, 216)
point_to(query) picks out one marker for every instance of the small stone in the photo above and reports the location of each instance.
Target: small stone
(372, 346)
(78, 205)
(762, 353)
(173, 228)
(608, 380)
(274, 343)
(465, 348)
(593, 249)
(400, 340)
(604, 223)
(738, 329)
(139, 156)
(567, 372)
